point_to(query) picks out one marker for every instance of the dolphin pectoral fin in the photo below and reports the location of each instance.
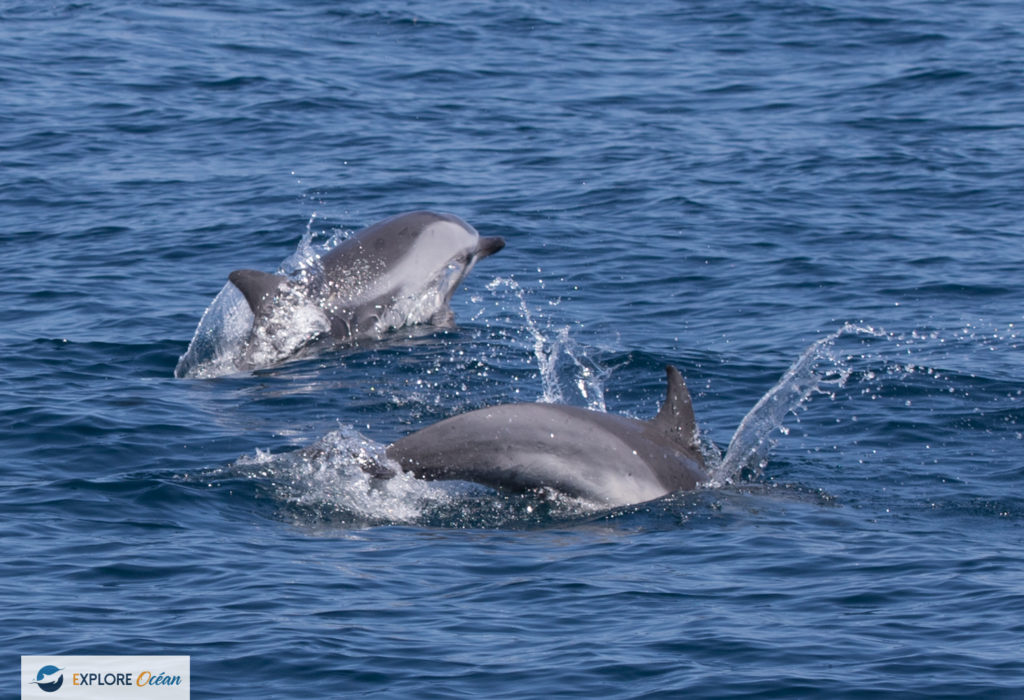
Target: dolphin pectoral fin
(676, 417)
(443, 318)
(257, 287)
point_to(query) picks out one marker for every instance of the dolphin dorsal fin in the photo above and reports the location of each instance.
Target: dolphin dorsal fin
(676, 417)
(257, 287)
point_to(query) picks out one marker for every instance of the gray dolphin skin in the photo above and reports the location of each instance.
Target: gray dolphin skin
(609, 459)
(376, 280)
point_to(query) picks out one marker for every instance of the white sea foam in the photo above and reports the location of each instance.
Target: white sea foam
(343, 477)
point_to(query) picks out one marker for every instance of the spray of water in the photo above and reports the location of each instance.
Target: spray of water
(219, 337)
(223, 332)
(819, 370)
(558, 355)
(338, 479)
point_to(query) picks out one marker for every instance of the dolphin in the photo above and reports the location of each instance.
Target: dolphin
(399, 271)
(48, 676)
(609, 459)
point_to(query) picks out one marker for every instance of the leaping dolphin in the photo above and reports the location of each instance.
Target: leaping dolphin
(397, 272)
(610, 459)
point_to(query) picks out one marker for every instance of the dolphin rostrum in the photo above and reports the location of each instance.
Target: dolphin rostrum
(610, 459)
(397, 272)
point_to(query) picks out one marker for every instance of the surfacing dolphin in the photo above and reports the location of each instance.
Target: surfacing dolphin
(609, 459)
(398, 272)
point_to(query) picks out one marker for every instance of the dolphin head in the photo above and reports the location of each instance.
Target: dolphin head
(446, 247)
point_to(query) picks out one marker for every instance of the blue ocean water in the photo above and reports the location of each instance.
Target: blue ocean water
(811, 208)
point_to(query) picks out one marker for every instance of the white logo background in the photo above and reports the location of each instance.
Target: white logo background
(137, 666)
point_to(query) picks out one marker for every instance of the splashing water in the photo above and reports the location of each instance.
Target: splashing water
(590, 376)
(337, 479)
(820, 369)
(556, 352)
(219, 337)
(223, 332)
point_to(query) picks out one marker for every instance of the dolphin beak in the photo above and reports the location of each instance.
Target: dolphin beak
(489, 245)
(486, 245)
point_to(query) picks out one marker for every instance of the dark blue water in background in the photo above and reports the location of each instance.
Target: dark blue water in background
(715, 185)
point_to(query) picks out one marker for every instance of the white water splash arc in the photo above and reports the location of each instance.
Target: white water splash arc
(224, 328)
(819, 370)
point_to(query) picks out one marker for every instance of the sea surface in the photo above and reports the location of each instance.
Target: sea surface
(814, 209)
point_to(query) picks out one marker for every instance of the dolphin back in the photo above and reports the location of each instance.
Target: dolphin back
(607, 458)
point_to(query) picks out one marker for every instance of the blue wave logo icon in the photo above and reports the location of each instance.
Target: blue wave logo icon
(49, 678)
